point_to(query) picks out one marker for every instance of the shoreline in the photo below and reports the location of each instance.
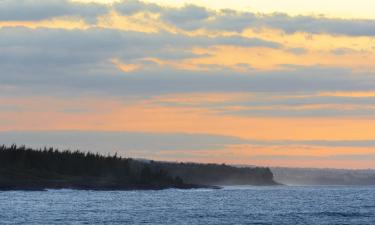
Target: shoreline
(113, 188)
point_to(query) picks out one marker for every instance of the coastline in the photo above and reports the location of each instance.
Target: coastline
(108, 188)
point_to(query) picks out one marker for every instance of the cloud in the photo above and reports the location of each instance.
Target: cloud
(125, 67)
(58, 61)
(129, 7)
(34, 10)
(192, 17)
(109, 62)
(189, 17)
(108, 80)
(316, 25)
(125, 44)
(34, 59)
(238, 21)
(279, 104)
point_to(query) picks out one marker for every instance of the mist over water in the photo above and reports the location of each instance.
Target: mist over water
(310, 176)
(230, 205)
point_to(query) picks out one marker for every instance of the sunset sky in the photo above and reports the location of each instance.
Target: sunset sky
(263, 82)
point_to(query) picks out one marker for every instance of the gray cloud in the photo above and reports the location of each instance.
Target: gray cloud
(76, 62)
(57, 62)
(189, 17)
(34, 10)
(229, 20)
(105, 79)
(78, 45)
(129, 7)
(235, 21)
(38, 59)
(192, 17)
(51, 55)
(310, 24)
(290, 105)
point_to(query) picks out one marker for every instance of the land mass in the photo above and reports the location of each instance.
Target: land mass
(24, 168)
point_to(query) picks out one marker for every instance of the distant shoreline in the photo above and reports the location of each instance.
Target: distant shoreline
(135, 188)
(24, 168)
(319, 176)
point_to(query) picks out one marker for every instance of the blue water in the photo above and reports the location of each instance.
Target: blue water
(232, 205)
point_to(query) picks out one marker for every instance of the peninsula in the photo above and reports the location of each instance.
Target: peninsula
(24, 168)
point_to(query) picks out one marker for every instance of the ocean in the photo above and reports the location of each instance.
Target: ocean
(230, 205)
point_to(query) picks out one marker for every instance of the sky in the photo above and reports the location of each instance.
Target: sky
(267, 83)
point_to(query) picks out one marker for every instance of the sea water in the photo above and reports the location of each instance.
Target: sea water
(230, 205)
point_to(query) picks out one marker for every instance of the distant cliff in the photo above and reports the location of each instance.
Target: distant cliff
(28, 169)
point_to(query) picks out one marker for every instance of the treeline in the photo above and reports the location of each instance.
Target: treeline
(26, 168)
(50, 168)
(217, 174)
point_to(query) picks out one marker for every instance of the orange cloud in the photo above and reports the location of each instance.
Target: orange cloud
(354, 94)
(276, 59)
(125, 67)
(111, 114)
